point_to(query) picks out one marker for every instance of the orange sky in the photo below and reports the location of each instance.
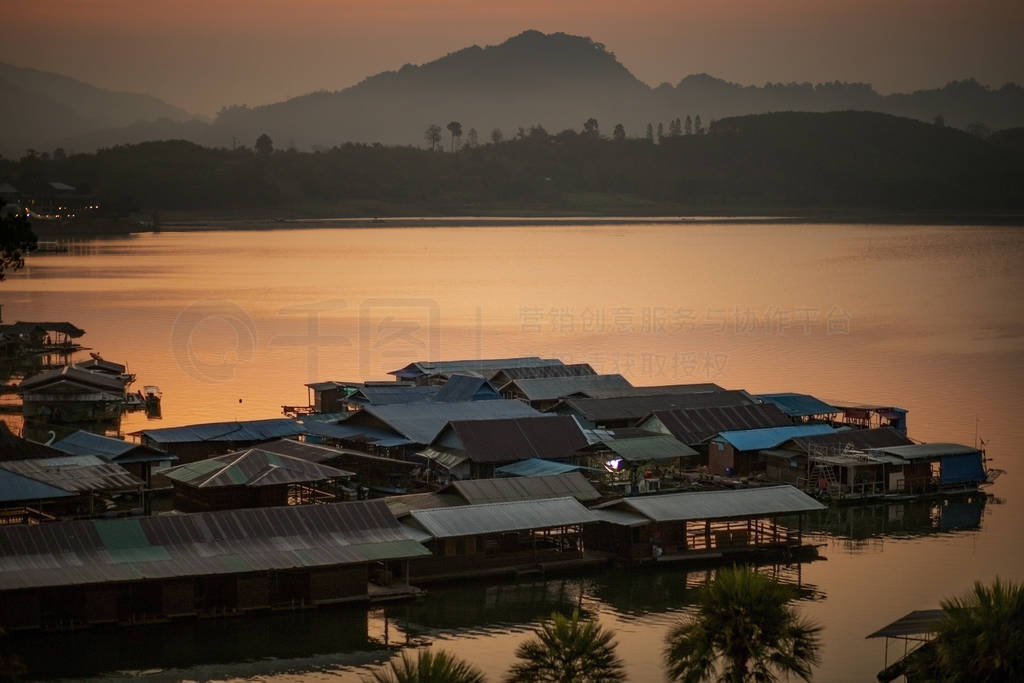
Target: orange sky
(202, 55)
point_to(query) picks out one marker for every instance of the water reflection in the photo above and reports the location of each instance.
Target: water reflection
(910, 518)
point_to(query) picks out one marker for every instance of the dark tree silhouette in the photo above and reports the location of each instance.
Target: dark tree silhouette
(433, 136)
(455, 128)
(497, 136)
(428, 667)
(568, 650)
(698, 127)
(590, 127)
(650, 133)
(472, 139)
(688, 126)
(264, 145)
(16, 240)
(675, 127)
(939, 120)
(661, 132)
(619, 134)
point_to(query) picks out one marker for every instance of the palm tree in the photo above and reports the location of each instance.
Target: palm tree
(744, 625)
(980, 638)
(428, 667)
(568, 650)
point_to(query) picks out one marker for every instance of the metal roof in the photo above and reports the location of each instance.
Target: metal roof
(24, 327)
(445, 459)
(393, 395)
(770, 437)
(635, 407)
(482, 366)
(250, 430)
(300, 449)
(620, 517)
(694, 425)
(252, 467)
(17, 488)
(725, 504)
(404, 504)
(478, 491)
(852, 438)
(798, 405)
(506, 375)
(492, 518)
(422, 422)
(206, 543)
(929, 450)
(647, 448)
(538, 467)
(466, 388)
(117, 450)
(76, 473)
(552, 437)
(676, 389)
(355, 432)
(917, 623)
(549, 388)
(97, 364)
(72, 374)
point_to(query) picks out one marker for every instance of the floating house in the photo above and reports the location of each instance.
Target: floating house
(254, 478)
(472, 449)
(694, 426)
(378, 474)
(638, 461)
(506, 375)
(701, 524)
(866, 416)
(789, 462)
(24, 500)
(69, 395)
(92, 482)
(738, 452)
(544, 393)
(499, 538)
(196, 442)
(801, 407)
(107, 368)
(69, 575)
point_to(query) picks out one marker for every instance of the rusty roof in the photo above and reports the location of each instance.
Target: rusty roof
(200, 544)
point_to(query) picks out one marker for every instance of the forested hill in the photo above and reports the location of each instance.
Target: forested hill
(773, 162)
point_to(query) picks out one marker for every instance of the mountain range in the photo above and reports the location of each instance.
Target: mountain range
(557, 81)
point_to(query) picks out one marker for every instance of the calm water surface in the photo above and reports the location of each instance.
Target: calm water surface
(231, 325)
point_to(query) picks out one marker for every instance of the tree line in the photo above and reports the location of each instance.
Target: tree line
(783, 161)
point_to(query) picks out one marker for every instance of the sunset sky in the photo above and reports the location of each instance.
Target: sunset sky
(202, 55)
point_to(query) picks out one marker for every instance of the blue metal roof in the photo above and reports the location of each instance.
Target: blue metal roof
(537, 467)
(87, 443)
(378, 437)
(251, 430)
(770, 437)
(798, 405)
(16, 488)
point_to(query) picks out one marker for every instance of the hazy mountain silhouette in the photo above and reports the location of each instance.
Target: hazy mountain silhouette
(555, 80)
(40, 109)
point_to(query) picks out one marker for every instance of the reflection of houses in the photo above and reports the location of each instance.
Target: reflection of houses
(23, 337)
(472, 449)
(136, 458)
(499, 538)
(132, 571)
(69, 394)
(195, 442)
(681, 526)
(254, 478)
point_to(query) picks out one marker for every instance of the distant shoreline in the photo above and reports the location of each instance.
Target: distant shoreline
(183, 223)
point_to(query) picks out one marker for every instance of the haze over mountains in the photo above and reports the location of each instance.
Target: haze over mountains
(555, 80)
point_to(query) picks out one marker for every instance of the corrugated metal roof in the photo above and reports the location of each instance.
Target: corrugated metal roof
(75, 375)
(770, 437)
(422, 422)
(466, 388)
(486, 367)
(639, 406)
(726, 504)
(356, 432)
(250, 430)
(300, 449)
(550, 388)
(647, 448)
(552, 437)
(506, 375)
(17, 488)
(393, 395)
(620, 517)
(918, 623)
(478, 491)
(695, 425)
(928, 450)
(252, 467)
(538, 467)
(87, 443)
(676, 389)
(492, 518)
(798, 405)
(401, 506)
(445, 459)
(852, 438)
(226, 542)
(76, 473)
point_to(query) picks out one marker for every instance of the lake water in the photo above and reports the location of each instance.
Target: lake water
(232, 324)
